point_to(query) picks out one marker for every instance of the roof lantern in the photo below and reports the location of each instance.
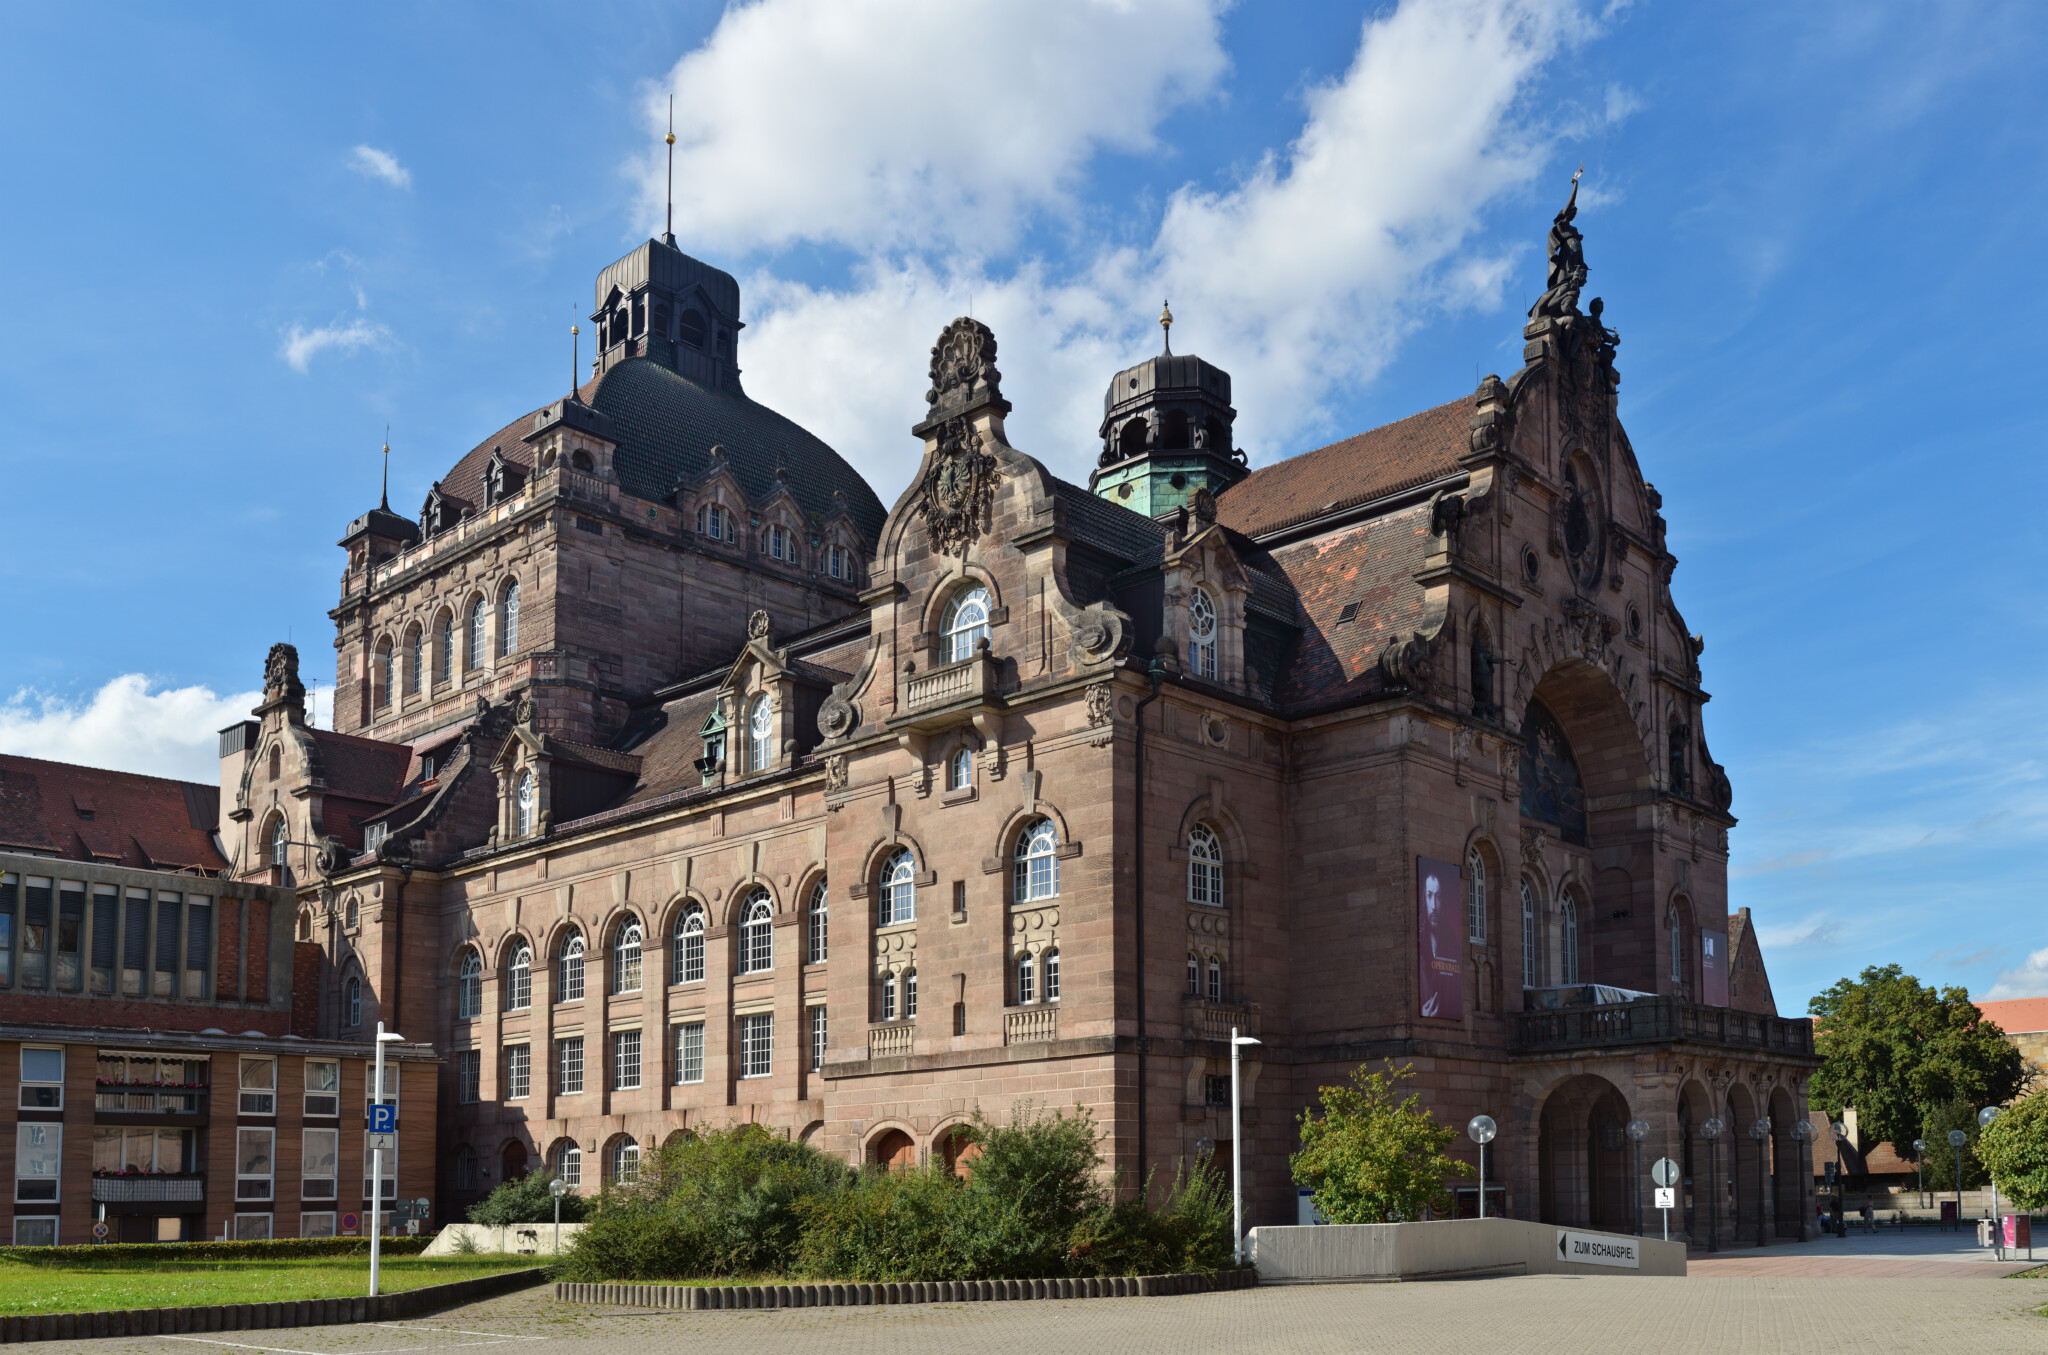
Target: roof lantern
(1166, 432)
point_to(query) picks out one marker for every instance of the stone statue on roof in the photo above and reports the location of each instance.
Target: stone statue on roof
(1567, 252)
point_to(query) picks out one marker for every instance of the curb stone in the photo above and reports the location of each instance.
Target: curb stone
(702, 1298)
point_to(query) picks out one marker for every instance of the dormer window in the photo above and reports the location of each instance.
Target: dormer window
(837, 563)
(713, 521)
(1202, 635)
(713, 735)
(525, 804)
(965, 623)
(693, 328)
(778, 543)
(760, 734)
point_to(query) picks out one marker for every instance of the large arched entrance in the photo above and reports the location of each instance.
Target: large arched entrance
(1583, 1176)
(1788, 1171)
(513, 1160)
(893, 1149)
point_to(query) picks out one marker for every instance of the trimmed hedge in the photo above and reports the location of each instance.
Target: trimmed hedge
(280, 1249)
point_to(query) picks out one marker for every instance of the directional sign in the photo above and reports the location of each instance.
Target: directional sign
(383, 1118)
(1664, 1172)
(384, 1142)
(349, 1224)
(1597, 1249)
(1667, 1198)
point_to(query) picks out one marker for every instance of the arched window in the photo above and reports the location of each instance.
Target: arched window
(508, 619)
(352, 1000)
(519, 978)
(625, 1162)
(1038, 870)
(1174, 431)
(1052, 976)
(569, 1164)
(1130, 439)
(444, 647)
(757, 934)
(1026, 981)
(626, 957)
(525, 804)
(413, 661)
(306, 925)
(960, 769)
(815, 931)
(1205, 866)
(280, 841)
(1194, 975)
(380, 676)
(889, 997)
(1677, 948)
(1568, 940)
(760, 733)
(353, 912)
(965, 622)
(1475, 900)
(910, 994)
(1530, 970)
(899, 888)
(276, 760)
(688, 965)
(1215, 979)
(479, 623)
(1552, 791)
(693, 328)
(569, 969)
(1202, 634)
(469, 986)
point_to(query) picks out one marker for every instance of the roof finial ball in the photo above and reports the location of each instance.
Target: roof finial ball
(1166, 325)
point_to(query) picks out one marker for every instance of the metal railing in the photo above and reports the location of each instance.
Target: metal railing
(891, 1040)
(149, 1189)
(1651, 1020)
(1031, 1025)
(149, 1102)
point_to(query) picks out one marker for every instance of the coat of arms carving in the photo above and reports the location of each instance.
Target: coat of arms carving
(958, 486)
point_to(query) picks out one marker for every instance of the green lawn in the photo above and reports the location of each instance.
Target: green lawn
(82, 1286)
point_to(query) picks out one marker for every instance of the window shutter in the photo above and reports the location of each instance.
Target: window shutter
(166, 935)
(103, 932)
(199, 937)
(135, 953)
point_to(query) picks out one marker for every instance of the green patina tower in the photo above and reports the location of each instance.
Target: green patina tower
(1166, 432)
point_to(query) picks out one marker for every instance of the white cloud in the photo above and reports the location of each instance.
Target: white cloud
(372, 163)
(2029, 980)
(302, 345)
(127, 726)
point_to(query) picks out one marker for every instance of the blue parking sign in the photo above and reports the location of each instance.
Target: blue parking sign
(383, 1119)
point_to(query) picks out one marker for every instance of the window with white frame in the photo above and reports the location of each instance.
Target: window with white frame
(479, 626)
(444, 648)
(569, 1165)
(519, 978)
(323, 1087)
(258, 1086)
(390, 1096)
(688, 962)
(960, 769)
(518, 1072)
(1027, 980)
(469, 986)
(35, 1231)
(1194, 975)
(386, 1169)
(1475, 900)
(837, 564)
(757, 934)
(569, 968)
(253, 1227)
(38, 1161)
(625, 1060)
(713, 521)
(777, 543)
(352, 1002)
(525, 804)
(1202, 634)
(625, 1162)
(626, 957)
(757, 1044)
(816, 929)
(1531, 969)
(817, 1018)
(1037, 868)
(469, 1065)
(899, 888)
(508, 620)
(964, 624)
(1568, 940)
(690, 1052)
(280, 842)
(1052, 976)
(414, 667)
(760, 734)
(319, 1163)
(42, 1078)
(1215, 979)
(255, 1163)
(889, 996)
(1205, 866)
(910, 994)
(317, 1225)
(569, 1066)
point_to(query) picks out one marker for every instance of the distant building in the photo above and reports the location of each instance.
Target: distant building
(2025, 1022)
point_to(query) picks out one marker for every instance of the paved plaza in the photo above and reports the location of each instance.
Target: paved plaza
(1525, 1315)
(1919, 1253)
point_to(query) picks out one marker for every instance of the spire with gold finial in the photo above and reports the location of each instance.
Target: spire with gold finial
(1166, 326)
(384, 498)
(668, 228)
(575, 357)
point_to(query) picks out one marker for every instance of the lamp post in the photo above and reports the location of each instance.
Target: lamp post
(1841, 1132)
(1920, 1171)
(1711, 1132)
(1761, 1132)
(1637, 1131)
(1801, 1169)
(1481, 1131)
(1956, 1139)
(1237, 1042)
(1984, 1119)
(558, 1188)
(377, 1162)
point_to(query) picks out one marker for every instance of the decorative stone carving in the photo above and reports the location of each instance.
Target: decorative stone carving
(1461, 752)
(281, 675)
(757, 626)
(836, 716)
(963, 367)
(1100, 634)
(1510, 768)
(835, 772)
(1101, 702)
(1408, 665)
(1532, 846)
(1566, 250)
(958, 487)
(1216, 729)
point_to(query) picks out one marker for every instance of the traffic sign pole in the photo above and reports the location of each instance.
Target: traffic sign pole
(383, 1128)
(1665, 1173)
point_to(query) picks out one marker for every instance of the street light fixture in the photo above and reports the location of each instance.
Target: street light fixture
(1481, 1131)
(1711, 1132)
(1920, 1170)
(1956, 1139)
(1761, 1132)
(558, 1188)
(1984, 1119)
(1802, 1133)
(1637, 1131)
(377, 1162)
(1237, 1042)
(1841, 1132)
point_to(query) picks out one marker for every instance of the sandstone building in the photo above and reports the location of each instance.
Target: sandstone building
(677, 781)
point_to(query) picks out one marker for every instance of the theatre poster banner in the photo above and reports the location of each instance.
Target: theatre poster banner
(1714, 968)
(1440, 935)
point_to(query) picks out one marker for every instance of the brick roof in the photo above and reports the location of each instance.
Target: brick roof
(142, 821)
(1335, 662)
(2019, 1015)
(362, 769)
(1370, 465)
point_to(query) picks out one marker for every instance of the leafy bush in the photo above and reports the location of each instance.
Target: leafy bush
(1190, 1231)
(1939, 1161)
(1036, 1180)
(1370, 1159)
(2015, 1148)
(890, 1225)
(527, 1199)
(634, 1245)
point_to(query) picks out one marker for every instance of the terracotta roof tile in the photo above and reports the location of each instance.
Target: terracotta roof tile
(142, 821)
(1370, 465)
(2017, 1016)
(1372, 564)
(360, 768)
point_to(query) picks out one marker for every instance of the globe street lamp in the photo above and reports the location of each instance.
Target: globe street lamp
(1237, 1042)
(1481, 1131)
(1637, 1131)
(1920, 1170)
(1984, 1119)
(558, 1188)
(1802, 1132)
(1761, 1132)
(1956, 1139)
(1841, 1132)
(1711, 1132)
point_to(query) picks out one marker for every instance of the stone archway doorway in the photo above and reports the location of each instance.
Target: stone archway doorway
(1583, 1168)
(892, 1150)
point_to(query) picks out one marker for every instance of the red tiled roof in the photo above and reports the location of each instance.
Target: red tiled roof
(1370, 465)
(360, 768)
(2017, 1016)
(1372, 564)
(142, 821)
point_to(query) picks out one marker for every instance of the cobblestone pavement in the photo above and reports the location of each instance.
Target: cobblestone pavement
(1529, 1315)
(1919, 1252)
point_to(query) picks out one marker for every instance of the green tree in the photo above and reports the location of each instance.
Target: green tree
(526, 1199)
(1939, 1161)
(1371, 1159)
(1896, 1050)
(2015, 1149)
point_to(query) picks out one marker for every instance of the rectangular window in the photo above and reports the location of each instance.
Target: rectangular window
(690, 1052)
(42, 1078)
(38, 1160)
(569, 1078)
(134, 941)
(254, 1163)
(36, 1232)
(818, 1038)
(387, 1171)
(757, 1044)
(1052, 976)
(10, 891)
(35, 932)
(518, 1072)
(835, 562)
(165, 979)
(323, 1087)
(316, 1225)
(1215, 1089)
(390, 1097)
(625, 1060)
(468, 1074)
(320, 1167)
(198, 947)
(258, 1087)
(106, 917)
(70, 934)
(252, 1227)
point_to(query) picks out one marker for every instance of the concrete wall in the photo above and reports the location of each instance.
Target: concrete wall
(1421, 1251)
(523, 1239)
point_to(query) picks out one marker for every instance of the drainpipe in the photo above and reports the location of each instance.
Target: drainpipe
(1156, 673)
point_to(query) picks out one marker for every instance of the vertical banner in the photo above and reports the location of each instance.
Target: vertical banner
(1714, 968)
(1440, 937)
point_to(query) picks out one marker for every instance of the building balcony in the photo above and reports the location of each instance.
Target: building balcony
(164, 1189)
(1031, 1025)
(149, 1100)
(891, 1039)
(972, 681)
(1205, 1020)
(1657, 1020)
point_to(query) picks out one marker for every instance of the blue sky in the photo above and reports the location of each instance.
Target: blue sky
(243, 239)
